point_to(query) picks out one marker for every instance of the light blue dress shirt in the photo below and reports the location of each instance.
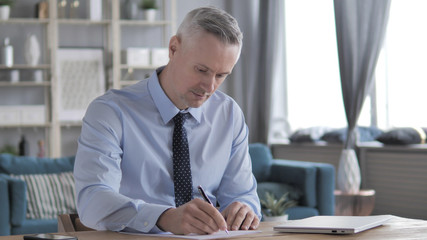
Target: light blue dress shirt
(123, 169)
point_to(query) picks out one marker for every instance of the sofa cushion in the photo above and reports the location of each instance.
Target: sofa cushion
(4, 207)
(10, 164)
(31, 226)
(403, 136)
(49, 195)
(261, 161)
(365, 134)
(312, 134)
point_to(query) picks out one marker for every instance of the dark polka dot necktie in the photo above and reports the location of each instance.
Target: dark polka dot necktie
(183, 185)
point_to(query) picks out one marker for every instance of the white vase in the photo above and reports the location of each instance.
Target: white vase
(32, 50)
(282, 218)
(348, 176)
(150, 15)
(4, 12)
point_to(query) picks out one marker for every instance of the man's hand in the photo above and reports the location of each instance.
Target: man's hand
(196, 216)
(240, 216)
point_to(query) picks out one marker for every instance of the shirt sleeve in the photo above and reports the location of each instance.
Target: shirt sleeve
(239, 183)
(97, 174)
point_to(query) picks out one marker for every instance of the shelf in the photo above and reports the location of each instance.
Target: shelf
(111, 30)
(143, 23)
(71, 124)
(24, 66)
(25, 84)
(83, 22)
(25, 21)
(141, 67)
(43, 125)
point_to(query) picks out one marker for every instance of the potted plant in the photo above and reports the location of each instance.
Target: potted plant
(149, 8)
(5, 9)
(275, 209)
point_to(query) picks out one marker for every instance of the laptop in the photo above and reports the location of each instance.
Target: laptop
(333, 224)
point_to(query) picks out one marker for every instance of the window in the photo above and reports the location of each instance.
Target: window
(401, 75)
(313, 96)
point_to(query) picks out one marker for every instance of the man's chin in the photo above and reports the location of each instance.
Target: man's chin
(196, 104)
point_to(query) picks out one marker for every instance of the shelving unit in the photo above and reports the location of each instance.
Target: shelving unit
(112, 25)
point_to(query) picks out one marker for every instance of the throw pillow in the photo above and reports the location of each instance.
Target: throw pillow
(365, 134)
(403, 136)
(312, 134)
(49, 195)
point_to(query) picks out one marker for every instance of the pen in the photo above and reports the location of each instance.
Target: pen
(202, 192)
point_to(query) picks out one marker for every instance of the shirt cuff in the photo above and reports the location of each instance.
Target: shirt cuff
(147, 217)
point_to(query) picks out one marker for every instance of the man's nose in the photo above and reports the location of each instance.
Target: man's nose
(208, 84)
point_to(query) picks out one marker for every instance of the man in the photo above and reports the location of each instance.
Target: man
(126, 160)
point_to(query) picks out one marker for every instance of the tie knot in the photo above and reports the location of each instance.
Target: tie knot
(179, 119)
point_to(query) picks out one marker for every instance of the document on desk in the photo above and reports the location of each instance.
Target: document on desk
(220, 234)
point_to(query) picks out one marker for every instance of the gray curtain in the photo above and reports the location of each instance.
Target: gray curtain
(251, 81)
(360, 28)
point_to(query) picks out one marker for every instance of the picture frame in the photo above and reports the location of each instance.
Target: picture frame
(81, 78)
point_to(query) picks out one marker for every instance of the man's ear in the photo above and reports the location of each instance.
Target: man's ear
(174, 44)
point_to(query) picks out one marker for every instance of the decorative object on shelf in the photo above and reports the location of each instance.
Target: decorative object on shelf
(74, 8)
(95, 10)
(348, 176)
(22, 115)
(14, 76)
(23, 146)
(136, 56)
(38, 76)
(129, 75)
(41, 151)
(80, 79)
(62, 9)
(130, 9)
(275, 209)
(42, 9)
(159, 56)
(32, 50)
(149, 8)
(5, 9)
(7, 53)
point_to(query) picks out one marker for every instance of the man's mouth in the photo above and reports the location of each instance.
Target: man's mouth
(200, 95)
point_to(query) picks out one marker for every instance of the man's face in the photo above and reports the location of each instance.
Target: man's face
(197, 67)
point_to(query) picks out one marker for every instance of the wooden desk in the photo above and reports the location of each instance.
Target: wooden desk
(395, 228)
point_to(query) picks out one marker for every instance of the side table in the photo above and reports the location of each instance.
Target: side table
(358, 204)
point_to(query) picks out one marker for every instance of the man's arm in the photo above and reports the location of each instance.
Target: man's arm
(237, 195)
(98, 175)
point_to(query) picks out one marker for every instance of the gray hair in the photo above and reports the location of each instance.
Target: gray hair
(212, 20)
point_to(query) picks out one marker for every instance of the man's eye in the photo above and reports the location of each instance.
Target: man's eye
(201, 70)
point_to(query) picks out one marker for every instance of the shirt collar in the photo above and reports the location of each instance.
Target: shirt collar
(164, 105)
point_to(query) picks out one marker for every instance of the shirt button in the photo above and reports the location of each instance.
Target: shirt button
(145, 223)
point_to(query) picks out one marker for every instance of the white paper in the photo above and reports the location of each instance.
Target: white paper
(220, 234)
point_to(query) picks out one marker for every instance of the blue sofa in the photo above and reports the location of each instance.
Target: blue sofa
(311, 184)
(13, 200)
